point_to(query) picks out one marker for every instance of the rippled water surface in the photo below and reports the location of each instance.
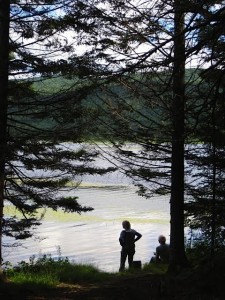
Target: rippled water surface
(93, 237)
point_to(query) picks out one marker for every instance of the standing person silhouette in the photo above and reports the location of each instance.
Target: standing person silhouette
(127, 240)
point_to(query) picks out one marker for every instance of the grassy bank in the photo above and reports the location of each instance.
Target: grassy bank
(47, 278)
(48, 272)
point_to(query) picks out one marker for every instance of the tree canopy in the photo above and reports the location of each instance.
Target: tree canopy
(39, 162)
(144, 50)
(147, 72)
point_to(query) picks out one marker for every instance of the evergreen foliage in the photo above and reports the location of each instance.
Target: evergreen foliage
(36, 159)
(135, 88)
(170, 110)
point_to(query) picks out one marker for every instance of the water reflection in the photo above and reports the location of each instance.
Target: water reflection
(93, 236)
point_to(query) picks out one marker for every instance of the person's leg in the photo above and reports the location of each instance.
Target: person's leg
(123, 258)
(153, 259)
(130, 258)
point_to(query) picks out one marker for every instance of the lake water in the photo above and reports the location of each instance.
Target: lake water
(93, 236)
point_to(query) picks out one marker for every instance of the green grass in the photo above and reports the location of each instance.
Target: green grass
(44, 272)
(48, 272)
(42, 277)
(155, 268)
(31, 279)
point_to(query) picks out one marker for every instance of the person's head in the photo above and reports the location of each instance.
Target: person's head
(162, 239)
(126, 225)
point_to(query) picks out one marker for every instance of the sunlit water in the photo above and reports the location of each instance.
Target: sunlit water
(93, 237)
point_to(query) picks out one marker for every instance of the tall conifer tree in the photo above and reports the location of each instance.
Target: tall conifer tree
(36, 161)
(145, 49)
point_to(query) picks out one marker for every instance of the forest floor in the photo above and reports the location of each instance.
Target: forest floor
(147, 286)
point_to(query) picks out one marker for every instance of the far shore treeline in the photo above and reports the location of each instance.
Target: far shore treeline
(91, 108)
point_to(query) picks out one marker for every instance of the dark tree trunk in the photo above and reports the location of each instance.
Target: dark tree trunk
(178, 256)
(4, 62)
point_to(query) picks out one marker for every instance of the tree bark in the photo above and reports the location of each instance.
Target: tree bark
(178, 256)
(4, 65)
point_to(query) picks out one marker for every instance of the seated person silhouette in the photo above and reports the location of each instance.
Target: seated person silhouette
(162, 253)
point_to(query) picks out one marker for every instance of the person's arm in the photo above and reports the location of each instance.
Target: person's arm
(121, 238)
(138, 236)
(157, 254)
